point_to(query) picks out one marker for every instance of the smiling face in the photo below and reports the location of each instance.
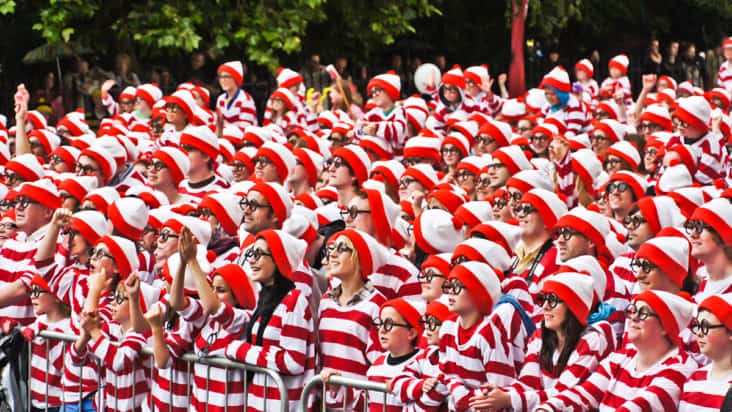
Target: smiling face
(718, 342)
(431, 290)
(363, 220)
(44, 303)
(259, 218)
(642, 331)
(498, 174)
(223, 291)
(121, 310)
(553, 317)
(343, 259)
(263, 268)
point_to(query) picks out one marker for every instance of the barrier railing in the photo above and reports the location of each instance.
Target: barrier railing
(190, 358)
(341, 381)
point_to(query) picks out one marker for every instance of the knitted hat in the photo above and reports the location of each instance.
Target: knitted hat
(277, 197)
(152, 198)
(105, 160)
(526, 180)
(548, 204)
(282, 158)
(416, 110)
(481, 281)
(673, 177)
(588, 168)
(257, 135)
(75, 125)
(636, 182)
(388, 171)
(389, 82)
(289, 99)
(660, 212)
(477, 74)
(287, 77)
(575, 290)
(91, 225)
(688, 155)
(26, 166)
(450, 199)
(473, 164)
(376, 147)
(357, 159)
(720, 305)
(439, 309)
(235, 69)
(670, 254)
(200, 229)
(287, 251)
(483, 250)
(129, 217)
(473, 213)
(716, 213)
(504, 234)
(670, 82)
(674, 312)
(657, 114)
(435, 231)
(312, 162)
(620, 62)
(439, 261)
(185, 100)
(423, 173)
(384, 213)
(203, 139)
(68, 154)
(175, 160)
(454, 77)
(150, 93)
(423, 147)
(694, 111)
(609, 107)
(225, 207)
(47, 138)
(688, 199)
(239, 283)
(557, 78)
(499, 131)
(458, 140)
(78, 186)
(410, 309)
(722, 94)
(613, 129)
(514, 158)
(513, 110)
(371, 255)
(586, 66)
(124, 253)
(588, 264)
(467, 128)
(625, 151)
(42, 191)
(592, 225)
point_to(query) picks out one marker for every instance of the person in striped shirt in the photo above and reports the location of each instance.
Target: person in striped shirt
(710, 233)
(707, 387)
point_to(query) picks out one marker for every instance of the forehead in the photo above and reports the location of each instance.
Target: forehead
(255, 195)
(709, 316)
(261, 244)
(390, 312)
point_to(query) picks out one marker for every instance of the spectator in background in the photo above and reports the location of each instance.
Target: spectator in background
(343, 68)
(200, 72)
(693, 66)
(714, 59)
(672, 62)
(314, 74)
(652, 61)
(600, 70)
(123, 74)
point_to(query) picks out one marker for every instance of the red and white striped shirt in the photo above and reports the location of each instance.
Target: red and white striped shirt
(17, 262)
(439, 118)
(489, 104)
(470, 358)
(724, 76)
(617, 386)
(390, 126)
(217, 184)
(709, 288)
(590, 90)
(702, 393)
(407, 385)
(711, 161)
(381, 371)
(397, 278)
(288, 347)
(576, 115)
(47, 363)
(622, 83)
(240, 111)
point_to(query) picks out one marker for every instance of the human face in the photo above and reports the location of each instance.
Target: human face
(498, 174)
(619, 201)
(258, 215)
(29, 214)
(539, 143)
(715, 340)
(501, 211)
(58, 165)
(615, 73)
(121, 305)
(150, 238)
(261, 263)
(266, 170)
(571, 243)
(483, 187)
(650, 159)
(223, 291)
(451, 93)
(342, 262)
(638, 230)
(400, 336)
(514, 197)
(8, 228)
(472, 88)
(554, 310)
(600, 142)
(703, 242)
(340, 175)
(158, 175)
(409, 185)
(484, 144)
(227, 82)
(431, 281)
(68, 201)
(466, 180)
(650, 277)
(551, 97)
(529, 221)
(239, 170)
(363, 220)
(433, 336)
(43, 301)
(198, 161)
(207, 215)
(167, 246)
(86, 166)
(458, 300)
(613, 164)
(451, 155)
(641, 330)
(175, 115)
(380, 97)
(338, 140)
(77, 245)
(524, 127)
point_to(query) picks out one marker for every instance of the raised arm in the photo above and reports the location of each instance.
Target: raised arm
(187, 250)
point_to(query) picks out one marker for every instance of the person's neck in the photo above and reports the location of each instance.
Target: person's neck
(534, 241)
(387, 106)
(170, 191)
(299, 187)
(721, 366)
(470, 319)
(180, 126)
(350, 287)
(718, 266)
(345, 194)
(56, 314)
(402, 350)
(125, 326)
(195, 176)
(649, 353)
(30, 229)
(620, 214)
(231, 92)
(561, 339)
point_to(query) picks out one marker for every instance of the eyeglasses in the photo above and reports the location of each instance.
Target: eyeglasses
(352, 212)
(523, 210)
(485, 140)
(430, 323)
(11, 178)
(339, 248)
(342, 141)
(205, 212)
(496, 165)
(70, 232)
(612, 162)
(522, 130)
(150, 229)
(679, 123)
(263, 161)
(54, 159)
(458, 260)
(695, 227)
(642, 313)
(406, 181)
(126, 102)
(237, 166)
(703, 326)
(338, 162)
(451, 89)
(22, 203)
(8, 226)
(254, 254)
(598, 138)
(651, 152)
(224, 76)
(252, 205)
(484, 182)
(565, 233)
(172, 107)
(119, 298)
(376, 90)
(165, 235)
(539, 138)
(515, 196)
(450, 150)
(82, 169)
(549, 299)
(464, 175)
(452, 287)
(36, 291)
(426, 276)
(616, 186)
(98, 254)
(500, 203)
(640, 264)
(188, 148)
(158, 166)
(651, 127)
(633, 222)
(388, 324)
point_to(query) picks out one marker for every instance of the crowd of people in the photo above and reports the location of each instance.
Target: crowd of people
(569, 249)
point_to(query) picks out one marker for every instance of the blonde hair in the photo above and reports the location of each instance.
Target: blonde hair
(582, 194)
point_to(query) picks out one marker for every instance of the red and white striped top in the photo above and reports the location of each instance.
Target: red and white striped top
(381, 371)
(711, 161)
(590, 90)
(391, 126)
(290, 118)
(709, 288)
(47, 363)
(439, 118)
(397, 278)
(407, 385)
(724, 76)
(490, 104)
(617, 386)
(576, 115)
(288, 347)
(17, 263)
(239, 112)
(622, 83)
(702, 393)
(470, 358)
(217, 184)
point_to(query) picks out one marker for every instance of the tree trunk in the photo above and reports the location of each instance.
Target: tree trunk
(517, 71)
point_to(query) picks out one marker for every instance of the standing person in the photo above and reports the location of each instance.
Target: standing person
(724, 78)
(386, 121)
(710, 232)
(653, 59)
(691, 121)
(562, 105)
(672, 62)
(234, 107)
(202, 147)
(692, 66)
(584, 72)
(618, 80)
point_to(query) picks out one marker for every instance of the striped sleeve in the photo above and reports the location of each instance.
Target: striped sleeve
(392, 127)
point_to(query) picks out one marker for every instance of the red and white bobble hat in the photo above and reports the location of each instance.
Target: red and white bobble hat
(454, 77)
(536, 99)
(471, 214)
(484, 250)
(423, 147)
(203, 139)
(504, 234)
(674, 311)
(467, 128)
(200, 229)
(717, 213)
(611, 108)
(720, 305)
(588, 168)
(557, 78)
(152, 198)
(185, 101)
(548, 129)
(175, 160)
(458, 140)
(46, 138)
(514, 158)
(548, 204)
(477, 74)
(129, 217)
(575, 290)
(412, 310)
(357, 159)
(287, 251)
(499, 131)
(424, 174)
(450, 199)
(636, 182)
(389, 82)
(660, 212)
(588, 264)
(526, 180)
(666, 95)
(277, 197)
(92, 225)
(722, 94)
(257, 135)
(239, 282)
(371, 254)
(591, 224)
(694, 111)
(670, 254)
(26, 166)
(384, 213)
(233, 68)
(226, 150)
(435, 231)
(302, 224)
(657, 114)
(101, 198)
(689, 156)
(78, 186)
(105, 160)
(674, 177)
(416, 110)
(613, 129)
(586, 66)
(225, 207)
(282, 158)
(287, 97)
(287, 77)
(377, 147)
(76, 125)
(388, 171)
(312, 162)
(68, 154)
(688, 199)
(36, 120)
(625, 151)
(150, 93)
(481, 281)
(124, 253)
(42, 191)
(473, 164)
(513, 110)
(620, 62)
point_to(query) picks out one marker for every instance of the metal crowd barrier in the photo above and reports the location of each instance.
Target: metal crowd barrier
(341, 381)
(189, 358)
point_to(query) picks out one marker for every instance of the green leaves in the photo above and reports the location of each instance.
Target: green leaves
(7, 7)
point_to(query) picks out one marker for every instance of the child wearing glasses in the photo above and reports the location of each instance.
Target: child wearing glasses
(387, 120)
(560, 355)
(708, 387)
(710, 233)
